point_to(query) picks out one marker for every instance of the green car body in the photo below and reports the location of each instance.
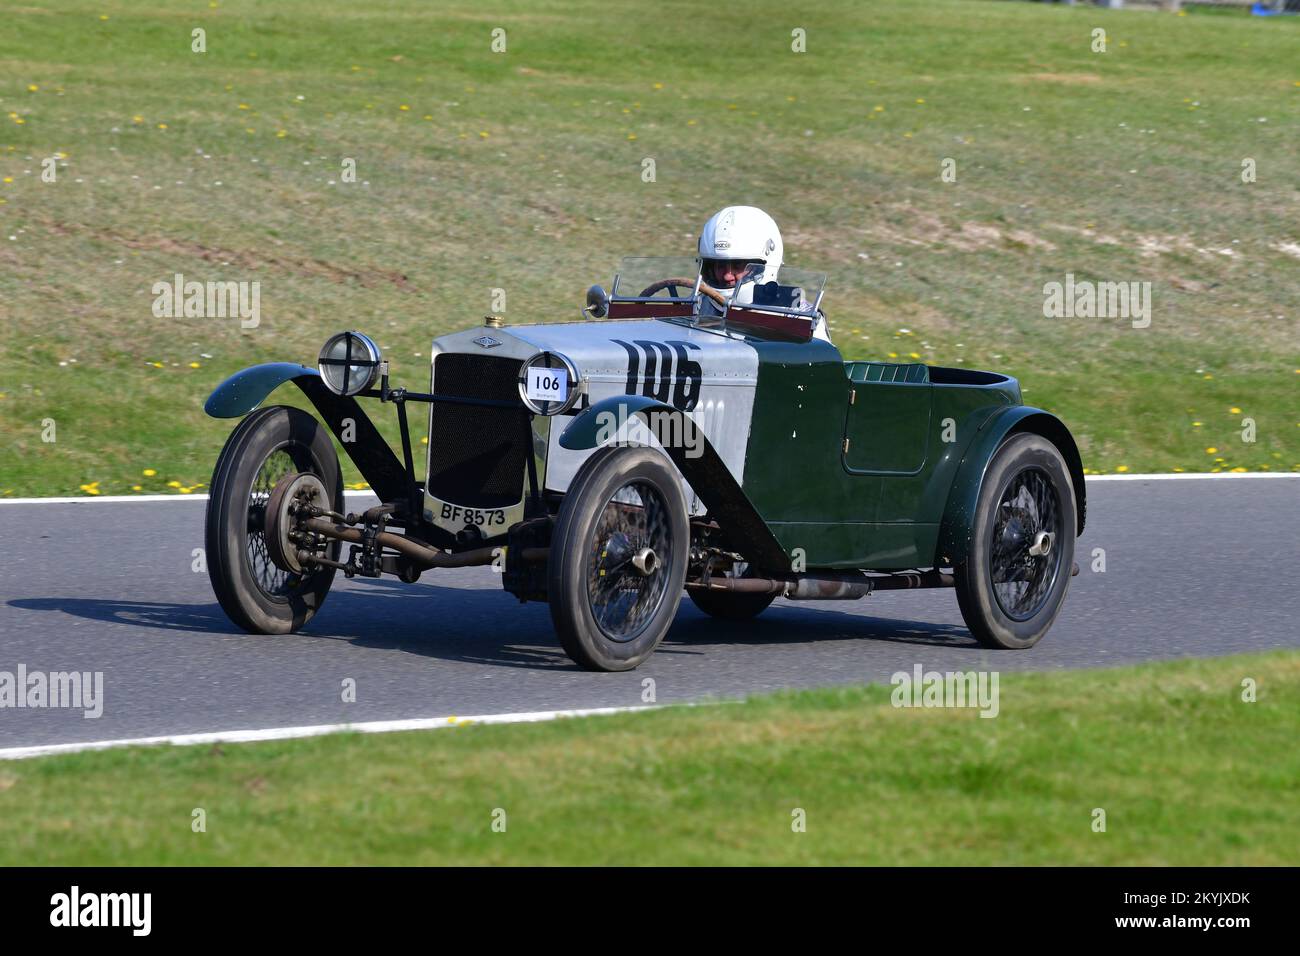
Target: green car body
(872, 465)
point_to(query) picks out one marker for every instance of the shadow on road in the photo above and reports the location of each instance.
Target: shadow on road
(807, 624)
(173, 617)
(483, 626)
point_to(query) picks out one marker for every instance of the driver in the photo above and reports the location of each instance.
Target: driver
(734, 240)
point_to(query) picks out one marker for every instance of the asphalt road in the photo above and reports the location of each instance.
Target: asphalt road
(1193, 568)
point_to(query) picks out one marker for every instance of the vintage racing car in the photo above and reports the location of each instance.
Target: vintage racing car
(671, 440)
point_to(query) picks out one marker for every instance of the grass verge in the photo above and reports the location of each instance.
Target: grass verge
(1185, 770)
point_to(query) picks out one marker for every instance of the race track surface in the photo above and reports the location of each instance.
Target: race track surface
(1193, 568)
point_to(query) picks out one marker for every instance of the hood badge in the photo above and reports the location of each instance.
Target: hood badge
(487, 342)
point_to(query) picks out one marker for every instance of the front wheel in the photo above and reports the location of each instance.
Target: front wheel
(256, 593)
(1013, 578)
(618, 558)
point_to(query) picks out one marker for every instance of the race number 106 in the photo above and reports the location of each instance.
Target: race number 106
(547, 384)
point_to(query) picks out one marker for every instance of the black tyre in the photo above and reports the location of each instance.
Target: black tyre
(256, 594)
(611, 604)
(1013, 578)
(730, 606)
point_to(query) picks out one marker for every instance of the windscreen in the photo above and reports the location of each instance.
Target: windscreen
(796, 291)
(665, 277)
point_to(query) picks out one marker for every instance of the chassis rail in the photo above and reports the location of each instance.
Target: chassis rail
(807, 586)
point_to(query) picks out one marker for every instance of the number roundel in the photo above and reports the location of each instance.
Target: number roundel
(548, 383)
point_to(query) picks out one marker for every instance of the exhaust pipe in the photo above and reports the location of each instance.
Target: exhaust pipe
(827, 585)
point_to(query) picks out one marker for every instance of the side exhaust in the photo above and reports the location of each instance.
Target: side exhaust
(831, 585)
(826, 585)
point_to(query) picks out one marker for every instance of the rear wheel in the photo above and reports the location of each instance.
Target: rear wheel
(730, 605)
(1013, 578)
(256, 593)
(618, 558)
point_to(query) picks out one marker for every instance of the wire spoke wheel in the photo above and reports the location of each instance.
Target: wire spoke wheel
(624, 596)
(258, 594)
(1023, 558)
(1013, 571)
(618, 558)
(273, 581)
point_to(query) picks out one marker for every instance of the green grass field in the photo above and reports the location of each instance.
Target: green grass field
(523, 171)
(1186, 772)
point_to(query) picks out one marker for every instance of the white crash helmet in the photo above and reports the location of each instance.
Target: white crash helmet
(740, 234)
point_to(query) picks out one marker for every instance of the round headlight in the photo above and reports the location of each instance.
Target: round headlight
(548, 383)
(349, 363)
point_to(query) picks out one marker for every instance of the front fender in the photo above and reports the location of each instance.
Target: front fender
(248, 388)
(963, 497)
(369, 451)
(699, 464)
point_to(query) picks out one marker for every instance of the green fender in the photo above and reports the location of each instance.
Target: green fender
(706, 472)
(246, 389)
(959, 514)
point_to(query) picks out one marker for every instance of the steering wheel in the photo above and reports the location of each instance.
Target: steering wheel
(674, 284)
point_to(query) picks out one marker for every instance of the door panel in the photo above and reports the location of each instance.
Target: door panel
(888, 427)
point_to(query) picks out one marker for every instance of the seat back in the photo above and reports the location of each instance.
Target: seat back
(908, 372)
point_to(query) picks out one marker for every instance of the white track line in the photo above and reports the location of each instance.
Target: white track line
(99, 498)
(318, 730)
(1185, 475)
(1179, 476)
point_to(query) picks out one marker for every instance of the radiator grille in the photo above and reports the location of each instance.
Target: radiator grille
(477, 455)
